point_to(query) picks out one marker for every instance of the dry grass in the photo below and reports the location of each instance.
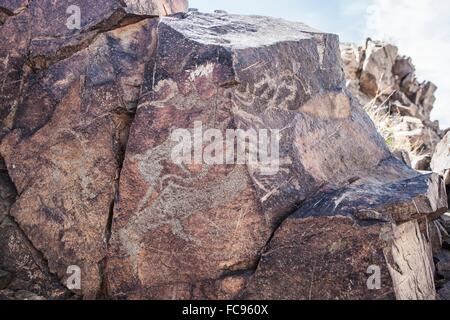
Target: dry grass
(381, 116)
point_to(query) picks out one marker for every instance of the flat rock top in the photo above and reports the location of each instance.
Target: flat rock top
(238, 31)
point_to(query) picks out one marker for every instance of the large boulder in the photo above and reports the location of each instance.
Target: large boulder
(324, 247)
(37, 34)
(89, 122)
(68, 97)
(180, 230)
(64, 153)
(22, 267)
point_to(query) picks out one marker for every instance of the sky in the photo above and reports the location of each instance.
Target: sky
(420, 28)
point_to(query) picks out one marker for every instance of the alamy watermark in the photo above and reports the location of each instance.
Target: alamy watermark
(74, 278)
(74, 20)
(259, 149)
(374, 280)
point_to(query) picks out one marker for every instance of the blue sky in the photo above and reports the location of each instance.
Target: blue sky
(421, 29)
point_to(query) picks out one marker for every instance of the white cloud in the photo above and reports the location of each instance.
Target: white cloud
(421, 29)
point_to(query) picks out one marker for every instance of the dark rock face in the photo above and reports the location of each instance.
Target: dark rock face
(36, 35)
(313, 245)
(52, 40)
(250, 73)
(21, 266)
(88, 123)
(64, 152)
(68, 125)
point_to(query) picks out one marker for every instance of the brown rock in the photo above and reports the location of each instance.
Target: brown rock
(435, 236)
(416, 137)
(249, 73)
(378, 58)
(14, 37)
(197, 230)
(65, 151)
(52, 40)
(24, 267)
(441, 161)
(37, 32)
(325, 249)
(443, 264)
(5, 279)
(403, 67)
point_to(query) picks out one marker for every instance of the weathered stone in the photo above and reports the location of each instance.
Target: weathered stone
(445, 220)
(39, 34)
(12, 7)
(157, 225)
(403, 156)
(232, 72)
(446, 244)
(441, 163)
(24, 266)
(65, 151)
(14, 37)
(197, 230)
(435, 236)
(374, 80)
(316, 258)
(413, 135)
(52, 40)
(317, 244)
(403, 67)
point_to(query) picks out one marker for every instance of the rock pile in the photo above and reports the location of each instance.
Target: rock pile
(400, 106)
(386, 84)
(89, 178)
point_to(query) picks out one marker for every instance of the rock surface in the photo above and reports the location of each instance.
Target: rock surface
(65, 150)
(386, 84)
(23, 266)
(66, 127)
(177, 227)
(38, 34)
(88, 117)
